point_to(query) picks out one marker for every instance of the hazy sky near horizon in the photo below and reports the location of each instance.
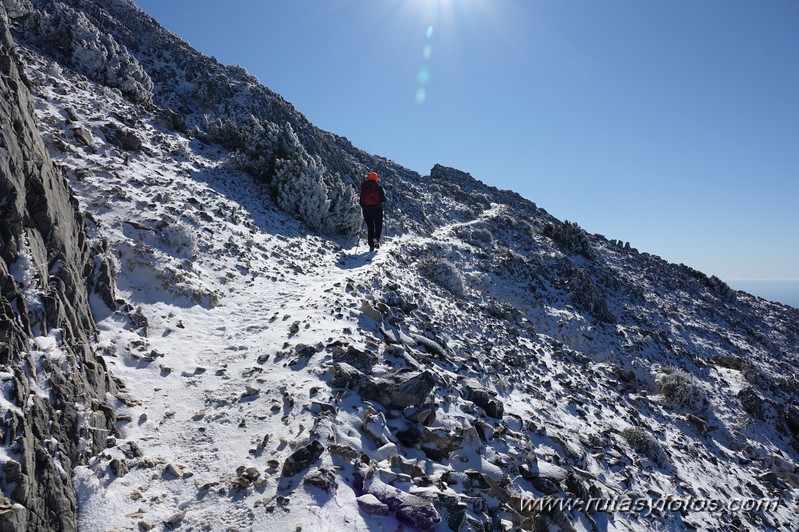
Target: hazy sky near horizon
(671, 125)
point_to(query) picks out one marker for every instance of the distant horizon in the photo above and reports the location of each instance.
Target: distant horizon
(776, 290)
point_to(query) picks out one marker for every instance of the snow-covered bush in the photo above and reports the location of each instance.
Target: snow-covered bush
(343, 216)
(571, 236)
(645, 444)
(682, 391)
(298, 183)
(443, 273)
(587, 297)
(257, 144)
(180, 238)
(483, 236)
(91, 52)
(298, 179)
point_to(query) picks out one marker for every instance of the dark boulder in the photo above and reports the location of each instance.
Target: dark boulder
(475, 392)
(302, 458)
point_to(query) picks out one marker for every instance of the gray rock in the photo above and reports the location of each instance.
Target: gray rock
(361, 360)
(545, 485)
(369, 310)
(302, 458)
(350, 378)
(439, 442)
(370, 505)
(399, 392)
(473, 391)
(323, 479)
(129, 141)
(13, 516)
(119, 467)
(409, 508)
(83, 136)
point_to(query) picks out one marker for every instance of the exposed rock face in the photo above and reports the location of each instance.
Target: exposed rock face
(46, 269)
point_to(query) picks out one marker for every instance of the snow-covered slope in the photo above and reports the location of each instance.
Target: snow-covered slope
(487, 357)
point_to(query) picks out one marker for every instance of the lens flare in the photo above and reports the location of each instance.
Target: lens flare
(423, 76)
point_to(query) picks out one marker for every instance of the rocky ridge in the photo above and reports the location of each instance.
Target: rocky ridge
(54, 410)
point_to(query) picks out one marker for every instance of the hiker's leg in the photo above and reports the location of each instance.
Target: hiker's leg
(370, 227)
(378, 225)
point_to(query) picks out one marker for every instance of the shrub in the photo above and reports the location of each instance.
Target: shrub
(681, 390)
(299, 180)
(645, 444)
(443, 273)
(298, 184)
(343, 217)
(483, 236)
(180, 238)
(587, 297)
(90, 51)
(571, 237)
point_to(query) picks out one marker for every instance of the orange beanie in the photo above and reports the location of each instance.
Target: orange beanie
(373, 176)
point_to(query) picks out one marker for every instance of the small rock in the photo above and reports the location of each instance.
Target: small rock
(362, 360)
(304, 351)
(409, 508)
(475, 392)
(175, 519)
(119, 467)
(129, 141)
(174, 470)
(371, 505)
(344, 451)
(369, 310)
(302, 458)
(82, 136)
(410, 391)
(250, 390)
(324, 479)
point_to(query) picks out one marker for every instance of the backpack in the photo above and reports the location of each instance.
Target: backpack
(369, 193)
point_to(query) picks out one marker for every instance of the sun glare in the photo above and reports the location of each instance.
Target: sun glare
(436, 21)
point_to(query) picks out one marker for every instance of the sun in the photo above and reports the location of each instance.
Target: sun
(436, 22)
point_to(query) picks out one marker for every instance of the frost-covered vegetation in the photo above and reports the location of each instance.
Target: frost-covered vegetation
(301, 183)
(645, 444)
(682, 391)
(443, 273)
(89, 50)
(571, 237)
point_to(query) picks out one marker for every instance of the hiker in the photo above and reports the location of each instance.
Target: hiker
(372, 199)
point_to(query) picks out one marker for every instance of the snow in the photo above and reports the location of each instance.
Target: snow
(232, 289)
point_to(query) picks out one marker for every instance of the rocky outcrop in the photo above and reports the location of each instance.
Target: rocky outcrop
(54, 386)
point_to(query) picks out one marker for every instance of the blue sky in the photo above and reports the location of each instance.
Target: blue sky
(671, 125)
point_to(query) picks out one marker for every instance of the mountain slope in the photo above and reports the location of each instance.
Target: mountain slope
(489, 354)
